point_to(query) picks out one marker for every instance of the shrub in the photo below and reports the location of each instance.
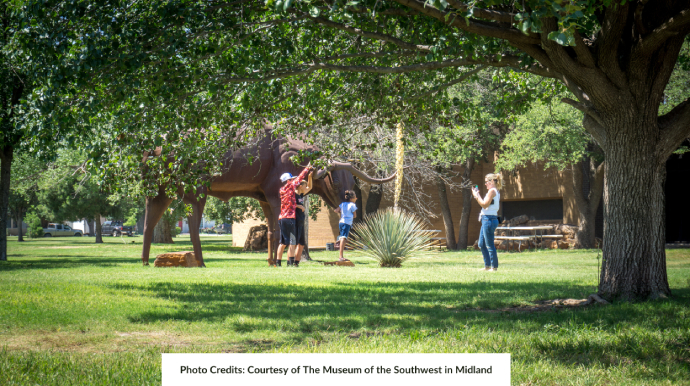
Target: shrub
(33, 223)
(176, 231)
(391, 236)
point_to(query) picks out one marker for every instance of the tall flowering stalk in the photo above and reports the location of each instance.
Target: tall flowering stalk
(399, 157)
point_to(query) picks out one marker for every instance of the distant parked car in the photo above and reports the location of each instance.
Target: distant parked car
(54, 230)
(115, 228)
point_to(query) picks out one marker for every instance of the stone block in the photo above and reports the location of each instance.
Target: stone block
(176, 259)
(257, 239)
(346, 263)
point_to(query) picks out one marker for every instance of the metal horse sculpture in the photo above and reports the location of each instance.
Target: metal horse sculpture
(259, 180)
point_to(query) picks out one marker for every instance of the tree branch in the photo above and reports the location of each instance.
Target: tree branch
(585, 108)
(675, 128)
(371, 35)
(494, 30)
(639, 24)
(564, 63)
(369, 55)
(607, 42)
(596, 186)
(595, 129)
(503, 17)
(670, 28)
(446, 85)
(584, 55)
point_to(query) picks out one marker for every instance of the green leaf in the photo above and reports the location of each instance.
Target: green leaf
(287, 4)
(563, 38)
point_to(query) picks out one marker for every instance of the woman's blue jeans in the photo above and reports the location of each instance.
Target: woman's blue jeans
(486, 240)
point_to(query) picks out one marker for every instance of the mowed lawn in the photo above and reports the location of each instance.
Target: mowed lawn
(74, 312)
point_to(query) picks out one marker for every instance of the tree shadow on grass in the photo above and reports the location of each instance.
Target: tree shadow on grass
(59, 262)
(428, 309)
(405, 309)
(364, 305)
(78, 261)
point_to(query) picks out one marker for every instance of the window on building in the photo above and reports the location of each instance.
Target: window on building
(537, 209)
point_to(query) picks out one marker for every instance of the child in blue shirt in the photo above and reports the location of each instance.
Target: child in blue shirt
(348, 212)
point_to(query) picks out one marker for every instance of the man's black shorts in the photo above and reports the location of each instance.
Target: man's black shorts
(288, 231)
(300, 232)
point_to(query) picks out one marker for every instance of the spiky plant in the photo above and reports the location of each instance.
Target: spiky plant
(391, 236)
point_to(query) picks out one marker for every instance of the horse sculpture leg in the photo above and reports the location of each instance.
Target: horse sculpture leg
(155, 207)
(194, 222)
(272, 245)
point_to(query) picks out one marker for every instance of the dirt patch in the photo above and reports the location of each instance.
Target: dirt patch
(357, 335)
(86, 342)
(250, 346)
(547, 305)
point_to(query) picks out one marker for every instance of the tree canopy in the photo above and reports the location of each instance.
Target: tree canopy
(188, 72)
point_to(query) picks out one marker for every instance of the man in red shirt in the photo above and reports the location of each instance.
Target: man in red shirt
(286, 221)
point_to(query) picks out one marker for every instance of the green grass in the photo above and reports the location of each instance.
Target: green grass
(73, 312)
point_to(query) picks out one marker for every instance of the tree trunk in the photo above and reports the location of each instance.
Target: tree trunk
(20, 224)
(374, 197)
(358, 192)
(466, 207)
(6, 156)
(92, 229)
(162, 233)
(99, 235)
(634, 255)
(305, 251)
(587, 203)
(445, 210)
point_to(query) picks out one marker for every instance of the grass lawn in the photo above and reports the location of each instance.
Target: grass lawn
(73, 312)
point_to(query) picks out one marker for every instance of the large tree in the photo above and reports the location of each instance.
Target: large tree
(615, 58)
(70, 190)
(13, 86)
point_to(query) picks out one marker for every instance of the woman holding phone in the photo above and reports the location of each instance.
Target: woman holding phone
(489, 219)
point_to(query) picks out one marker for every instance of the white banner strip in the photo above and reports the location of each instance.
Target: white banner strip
(335, 369)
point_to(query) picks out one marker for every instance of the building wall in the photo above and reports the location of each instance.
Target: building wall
(528, 183)
(12, 227)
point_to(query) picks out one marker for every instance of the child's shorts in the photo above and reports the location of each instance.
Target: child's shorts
(344, 230)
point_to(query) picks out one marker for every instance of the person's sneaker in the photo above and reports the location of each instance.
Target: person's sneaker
(492, 269)
(485, 269)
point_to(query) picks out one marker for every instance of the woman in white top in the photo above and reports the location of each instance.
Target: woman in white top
(489, 219)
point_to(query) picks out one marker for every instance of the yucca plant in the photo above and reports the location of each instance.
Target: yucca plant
(391, 236)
